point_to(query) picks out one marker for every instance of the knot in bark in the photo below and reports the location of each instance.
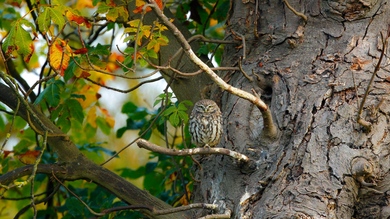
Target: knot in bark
(363, 171)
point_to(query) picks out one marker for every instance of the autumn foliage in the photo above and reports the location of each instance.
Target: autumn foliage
(63, 58)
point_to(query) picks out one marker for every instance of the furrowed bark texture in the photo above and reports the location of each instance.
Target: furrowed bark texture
(313, 75)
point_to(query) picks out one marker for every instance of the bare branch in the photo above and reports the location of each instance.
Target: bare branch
(187, 49)
(128, 90)
(186, 152)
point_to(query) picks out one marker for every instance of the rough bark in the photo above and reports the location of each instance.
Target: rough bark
(313, 75)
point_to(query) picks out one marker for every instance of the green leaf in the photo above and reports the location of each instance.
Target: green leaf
(75, 109)
(74, 207)
(48, 15)
(174, 119)
(99, 50)
(120, 132)
(44, 20)
(145, 134)
(162, 97)
(52, 92)
(22, 146)
(153, 183)
(94, 148)
(103, 8)
(134, 112)
(183, 116)
(64, 121)
(2, 124)
(112, 14)
(169, 110)
(132, 174)
(19, 39)
(150, 167)
(128, 107)
(57, 17)
(69, 71)
(103, 125)
(134, 125)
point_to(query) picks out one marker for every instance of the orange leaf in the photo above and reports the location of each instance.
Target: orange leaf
(59, 55)
(112, 64)
(84, 4)
(139, 4)
(84, 74)
(78, 19)
(6, 153)
(29, 157)
(109, 119)
(28, 56)
(80, 51)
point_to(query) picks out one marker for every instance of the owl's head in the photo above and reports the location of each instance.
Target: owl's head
(206, 106)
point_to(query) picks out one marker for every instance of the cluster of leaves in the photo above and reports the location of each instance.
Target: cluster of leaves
(65, 36)
(148, 38)
(171, 173)
(144, 120)
(207, 18)
(168, 178)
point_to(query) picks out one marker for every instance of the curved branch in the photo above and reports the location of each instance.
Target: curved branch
(186, 152)
(270, 131)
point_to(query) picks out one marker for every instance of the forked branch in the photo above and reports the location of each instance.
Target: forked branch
(271, 131)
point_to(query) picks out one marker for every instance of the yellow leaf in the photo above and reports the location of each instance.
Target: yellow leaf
(90, 93)
(59, 56)
(84, 4)
(91, 117)
(134, 23)
(109, 119)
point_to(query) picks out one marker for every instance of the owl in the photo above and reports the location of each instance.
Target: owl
(205, 123)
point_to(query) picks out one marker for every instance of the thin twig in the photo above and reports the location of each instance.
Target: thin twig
(8, 135)
(78, 198)
(360, 120)
(34, 172)
(128, 90)
(135, 140)
(242, 37)
(304, 17)
(242, 70)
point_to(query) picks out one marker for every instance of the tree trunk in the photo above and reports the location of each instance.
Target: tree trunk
(313, 75)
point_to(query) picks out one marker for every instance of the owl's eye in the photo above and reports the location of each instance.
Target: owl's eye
(201, 108)
(209, 108)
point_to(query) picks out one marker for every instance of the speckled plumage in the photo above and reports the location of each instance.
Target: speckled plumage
(205, 123)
